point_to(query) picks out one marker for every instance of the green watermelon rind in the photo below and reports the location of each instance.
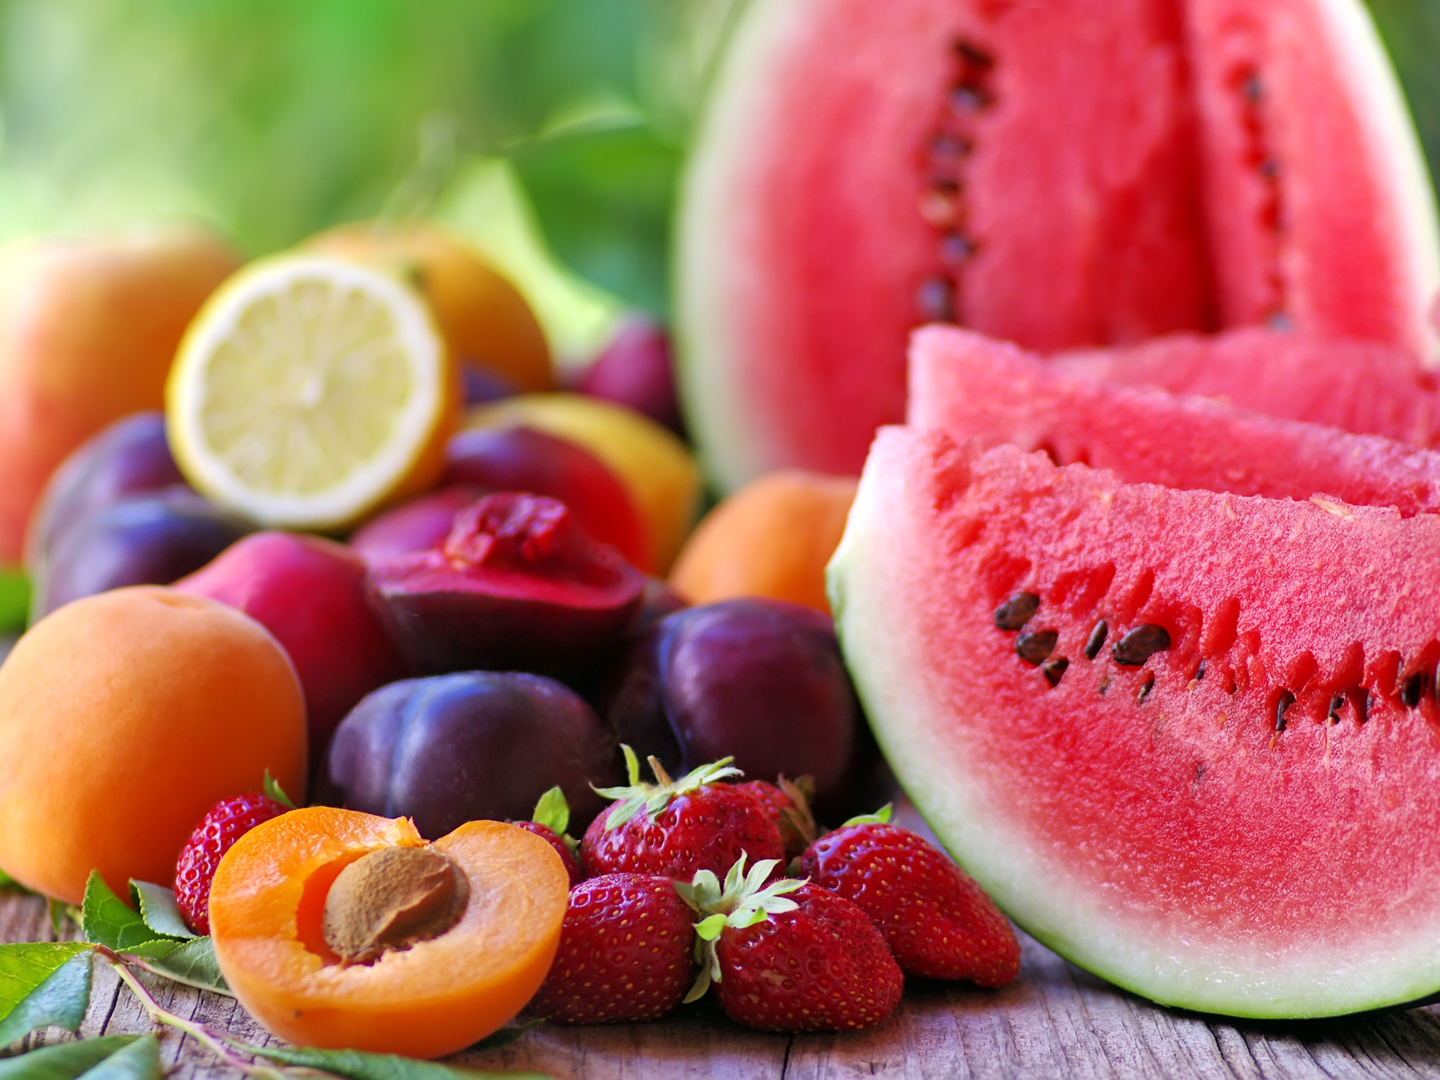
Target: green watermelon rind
(868, 581)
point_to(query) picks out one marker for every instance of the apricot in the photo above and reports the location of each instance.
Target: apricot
(485, 319)
(124, 717)
(416, 979)
(656, 467)
(88, 328)
(772, 538)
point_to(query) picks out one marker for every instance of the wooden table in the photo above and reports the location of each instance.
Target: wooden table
(1054, 1022)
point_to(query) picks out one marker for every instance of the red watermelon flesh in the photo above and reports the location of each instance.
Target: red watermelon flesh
(1036, 172)
(1356, 386)
(974, 387)
(1245, 821)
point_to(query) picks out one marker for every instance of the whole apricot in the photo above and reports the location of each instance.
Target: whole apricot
(771, 538)
(88, 328)
(654, 465)
(124, 717)
(486, 321)
(341, 929)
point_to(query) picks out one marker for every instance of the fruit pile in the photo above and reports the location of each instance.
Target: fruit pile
(1148, 631)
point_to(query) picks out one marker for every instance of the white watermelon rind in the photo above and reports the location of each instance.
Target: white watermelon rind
(873, 571)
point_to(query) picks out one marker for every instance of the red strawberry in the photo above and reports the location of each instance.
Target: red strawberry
(788, 804)
(227, 821)
(937, 921)
(790, 956)
(549, 822)
(626, 953)
(676, 827)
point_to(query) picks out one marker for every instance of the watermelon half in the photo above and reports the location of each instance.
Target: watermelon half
(1188, 740)
(1061, 174)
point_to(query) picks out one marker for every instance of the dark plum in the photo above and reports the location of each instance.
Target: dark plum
(759, 680)
(638, 370)
(147, 539)
(660, 600)
(520, 458)
(128, 457)
(455, 748)
(415, 525)
(309, 593)
(517, 586)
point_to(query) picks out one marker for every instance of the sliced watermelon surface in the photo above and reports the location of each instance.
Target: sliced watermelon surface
(1060, 175)
(1356, 386)
(1188, 740)
(974, 387)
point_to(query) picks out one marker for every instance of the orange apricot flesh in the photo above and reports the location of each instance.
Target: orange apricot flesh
(431, 999)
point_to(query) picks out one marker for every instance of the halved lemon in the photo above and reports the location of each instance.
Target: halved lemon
(309, 391)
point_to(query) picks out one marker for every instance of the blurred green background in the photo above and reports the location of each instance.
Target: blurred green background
(550, 125)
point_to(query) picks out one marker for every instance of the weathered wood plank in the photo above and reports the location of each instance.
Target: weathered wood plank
(1054, 1022)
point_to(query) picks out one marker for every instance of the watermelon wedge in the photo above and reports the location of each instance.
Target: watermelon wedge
(1357, 386)
(974, 387)
(1060, 175)
(1188, 740)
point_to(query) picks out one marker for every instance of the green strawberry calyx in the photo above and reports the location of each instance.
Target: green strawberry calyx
(742, 901)
(879, 817)
(653, 798)
(553, 812)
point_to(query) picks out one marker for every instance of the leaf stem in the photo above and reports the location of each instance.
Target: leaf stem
(212, 1040)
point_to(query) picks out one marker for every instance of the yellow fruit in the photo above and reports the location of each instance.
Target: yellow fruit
(660, 473)
(484, 318)
(309, 391)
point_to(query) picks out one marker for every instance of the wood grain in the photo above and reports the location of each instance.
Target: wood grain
(1054, 1022)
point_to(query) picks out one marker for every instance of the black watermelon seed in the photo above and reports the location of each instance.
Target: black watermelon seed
(1053, 669)
(1281, 707)
(935, 299)
(1096, 641)
(1015, 612)
(1037, 647)
(1200, 671)
(1140, 644)
(1337, 702)
(1145, 688)
(956, 248)
(1411, 691)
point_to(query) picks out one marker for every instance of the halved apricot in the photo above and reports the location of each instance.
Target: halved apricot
(426, 999)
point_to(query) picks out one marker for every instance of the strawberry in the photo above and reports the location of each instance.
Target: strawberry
(226, 822)
(789, 956)
(788, 804)
(937, 921)
(549, 822)
(626, 953)
(676, 827)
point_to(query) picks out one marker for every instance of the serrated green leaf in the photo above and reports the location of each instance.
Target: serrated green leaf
(59, 915)
(357, 1065)
(510, 1033)
(109, 921)
(138, 1061)
(159, 911)
(193, 964)
(709, 928)
(274, 791)
(42, 984)
(552, 811)
(65, 1061)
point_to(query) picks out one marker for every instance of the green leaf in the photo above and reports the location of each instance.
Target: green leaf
(14, 601)
(9, 883)
(552, 811)
(193, 964)
(69, 1060)
(159, 911)
(107, 920)
(42, 984)
(273, 789)
(357, 1065)
(508, 1034)
(138, 1061)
